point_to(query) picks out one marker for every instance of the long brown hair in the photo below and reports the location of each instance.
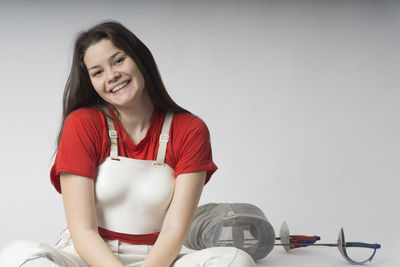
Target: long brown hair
(79, 91)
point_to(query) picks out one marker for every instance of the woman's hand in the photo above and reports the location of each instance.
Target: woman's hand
(188, 189)
(79, 206)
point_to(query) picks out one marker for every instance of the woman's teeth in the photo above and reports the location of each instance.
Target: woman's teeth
(116, 88)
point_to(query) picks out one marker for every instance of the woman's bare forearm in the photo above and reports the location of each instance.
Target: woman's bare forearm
(177, 221)
(80, 211)
(93, 250)
(166, 249)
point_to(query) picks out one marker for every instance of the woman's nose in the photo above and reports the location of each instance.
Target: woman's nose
(113, 75)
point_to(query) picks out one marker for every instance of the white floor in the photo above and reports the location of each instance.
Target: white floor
(311, 257)
(319, 257)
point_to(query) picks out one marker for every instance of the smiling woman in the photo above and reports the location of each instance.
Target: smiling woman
(131, 165)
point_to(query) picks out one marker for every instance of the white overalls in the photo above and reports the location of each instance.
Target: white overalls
(132, 197)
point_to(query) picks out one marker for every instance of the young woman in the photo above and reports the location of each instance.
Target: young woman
(130, 164)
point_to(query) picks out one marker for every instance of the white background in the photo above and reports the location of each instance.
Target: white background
(301, 99)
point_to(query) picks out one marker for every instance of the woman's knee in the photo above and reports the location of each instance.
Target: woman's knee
(242, 259)
(216, 257)
(39, 262)
(18, 251)
(233, 257)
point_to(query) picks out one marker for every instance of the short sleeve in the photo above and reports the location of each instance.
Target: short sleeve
(195, 152)
(80, 146)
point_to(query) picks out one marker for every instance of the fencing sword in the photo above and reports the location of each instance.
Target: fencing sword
(290, 242)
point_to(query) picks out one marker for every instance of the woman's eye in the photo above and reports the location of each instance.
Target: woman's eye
(94, 74)
(119, 61)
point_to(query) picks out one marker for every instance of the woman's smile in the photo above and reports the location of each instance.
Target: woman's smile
(120, 87)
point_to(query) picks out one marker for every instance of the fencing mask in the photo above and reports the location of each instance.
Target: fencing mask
(239, 225)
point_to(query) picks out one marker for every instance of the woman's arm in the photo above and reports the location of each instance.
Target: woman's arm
(177, 221)
(79, 205)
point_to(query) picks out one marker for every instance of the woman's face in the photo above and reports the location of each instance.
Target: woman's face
(114, 75)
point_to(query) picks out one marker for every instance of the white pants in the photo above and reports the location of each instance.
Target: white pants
(29, 254)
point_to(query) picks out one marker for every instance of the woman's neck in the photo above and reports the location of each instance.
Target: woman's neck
(137, 118)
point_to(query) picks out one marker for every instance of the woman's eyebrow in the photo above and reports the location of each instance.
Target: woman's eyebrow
(111, 58)
(114, 55)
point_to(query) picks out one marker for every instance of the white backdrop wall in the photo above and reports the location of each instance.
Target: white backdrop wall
(301, 99)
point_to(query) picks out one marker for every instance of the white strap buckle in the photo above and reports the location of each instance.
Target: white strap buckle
(157, 164)
(113, 134)
(164, 138)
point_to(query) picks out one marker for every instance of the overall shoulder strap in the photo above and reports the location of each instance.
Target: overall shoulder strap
(163, 141)
(112, 133)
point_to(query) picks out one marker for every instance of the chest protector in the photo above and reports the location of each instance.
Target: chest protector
(132, 196)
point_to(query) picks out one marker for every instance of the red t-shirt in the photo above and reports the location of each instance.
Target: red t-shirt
(85, 144)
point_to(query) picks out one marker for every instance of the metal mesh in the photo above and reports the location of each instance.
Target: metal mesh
(239, 225)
